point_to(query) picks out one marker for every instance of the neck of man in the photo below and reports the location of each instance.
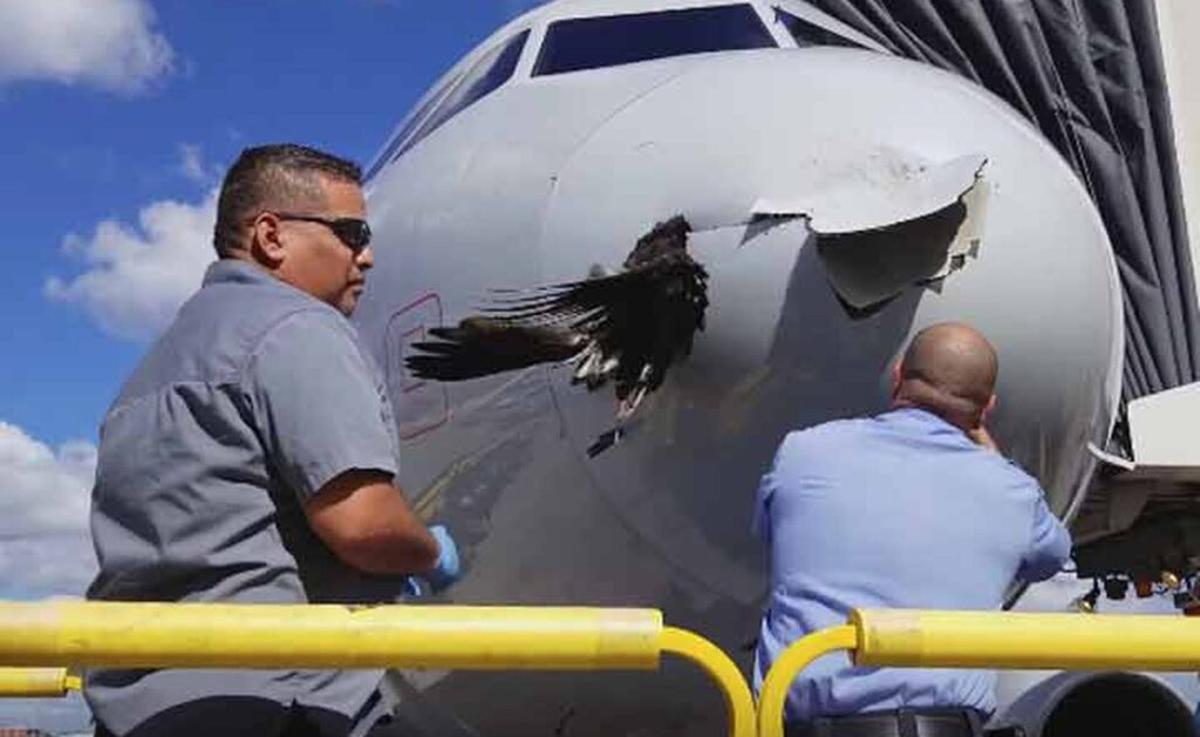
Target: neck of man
(962, 414)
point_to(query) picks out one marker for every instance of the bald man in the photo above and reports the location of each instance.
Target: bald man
(914, 508)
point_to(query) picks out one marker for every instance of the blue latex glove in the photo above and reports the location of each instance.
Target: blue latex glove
(446, 570)
(412, 587)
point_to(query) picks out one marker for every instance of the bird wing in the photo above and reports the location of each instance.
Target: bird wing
(595, 322)
(481, 346)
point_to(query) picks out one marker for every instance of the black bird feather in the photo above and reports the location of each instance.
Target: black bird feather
(629, 327)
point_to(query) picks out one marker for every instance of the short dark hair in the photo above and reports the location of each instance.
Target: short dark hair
(280, 175)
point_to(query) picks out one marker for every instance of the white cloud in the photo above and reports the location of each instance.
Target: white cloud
(191, 163)
(111, 44)
(193, 168)
(138, 277)
(45, 548)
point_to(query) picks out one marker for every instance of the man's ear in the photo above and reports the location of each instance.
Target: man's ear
(265, 240)
(897, 370)
(987, 410)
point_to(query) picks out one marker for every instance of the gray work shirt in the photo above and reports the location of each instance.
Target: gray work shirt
(255, 397)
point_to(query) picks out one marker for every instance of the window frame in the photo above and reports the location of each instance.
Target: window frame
(424, 107)
(535, 69)
(853, 38)
(418, 127)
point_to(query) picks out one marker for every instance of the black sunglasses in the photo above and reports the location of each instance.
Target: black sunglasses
(355, 233)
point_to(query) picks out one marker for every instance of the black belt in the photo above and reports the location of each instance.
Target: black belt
(898, 723)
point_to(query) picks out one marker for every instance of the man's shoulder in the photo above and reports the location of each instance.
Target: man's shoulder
(315, 316)
(217, 331)
(306, 330)
(262, 299)
(1012, 470)
(828, 433)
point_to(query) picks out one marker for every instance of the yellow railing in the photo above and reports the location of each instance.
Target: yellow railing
(38, 639)
(945, 639)
(37, 682)
(145, 635)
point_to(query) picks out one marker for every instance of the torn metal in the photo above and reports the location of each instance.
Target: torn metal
(893, 227)
(1089, 76)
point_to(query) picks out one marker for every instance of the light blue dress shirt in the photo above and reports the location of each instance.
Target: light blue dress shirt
(901, 511)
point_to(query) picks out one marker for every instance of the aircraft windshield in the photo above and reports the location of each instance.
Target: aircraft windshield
(588, 43)
(491, 71)
(405, 133)
(810, 34)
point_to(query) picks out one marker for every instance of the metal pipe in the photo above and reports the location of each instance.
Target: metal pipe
(961, 639)
(784, 670)
(739, 703)
(161, 635)
(158, 635)
(956, 639)
(36, 683)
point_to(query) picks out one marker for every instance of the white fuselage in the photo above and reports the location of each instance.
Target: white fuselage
(549, 178)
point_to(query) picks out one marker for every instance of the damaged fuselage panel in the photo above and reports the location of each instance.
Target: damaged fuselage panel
(890, 224)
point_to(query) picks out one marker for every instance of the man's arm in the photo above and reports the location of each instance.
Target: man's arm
(1050, 548)
(367, 523)
(323, 418)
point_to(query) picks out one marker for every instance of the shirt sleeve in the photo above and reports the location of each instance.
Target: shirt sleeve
(318, 403)
(760, 526)
(1051, 545)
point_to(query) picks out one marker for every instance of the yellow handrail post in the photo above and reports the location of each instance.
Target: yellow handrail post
(784, 670)
(36, 683)
(965, 639)
(162, 635)
(739, 703)
(960, 639)
(151, 635)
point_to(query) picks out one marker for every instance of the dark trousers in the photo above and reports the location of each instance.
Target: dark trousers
(242, 716)
(897, 723)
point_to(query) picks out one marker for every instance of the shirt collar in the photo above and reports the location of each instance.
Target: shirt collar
(231, 270)
(918, 416)
(235, 271)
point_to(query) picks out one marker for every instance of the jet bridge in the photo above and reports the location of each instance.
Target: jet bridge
(1138, 533)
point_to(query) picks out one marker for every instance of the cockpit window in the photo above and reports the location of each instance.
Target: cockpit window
(492, 70)
(413, 121)
(588, 43)
(807, 33)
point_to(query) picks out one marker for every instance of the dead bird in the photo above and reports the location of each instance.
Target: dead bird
(629, 327)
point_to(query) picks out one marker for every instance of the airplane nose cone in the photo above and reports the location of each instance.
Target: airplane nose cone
(833, 128)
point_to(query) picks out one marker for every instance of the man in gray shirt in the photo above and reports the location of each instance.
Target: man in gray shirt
(251, 457)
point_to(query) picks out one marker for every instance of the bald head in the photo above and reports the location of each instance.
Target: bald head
(950, 370)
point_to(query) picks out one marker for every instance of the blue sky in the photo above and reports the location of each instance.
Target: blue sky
(119, 118)
(336, 74)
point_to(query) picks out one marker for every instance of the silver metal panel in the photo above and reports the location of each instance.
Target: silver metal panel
(1162, 428)
(549, 178)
